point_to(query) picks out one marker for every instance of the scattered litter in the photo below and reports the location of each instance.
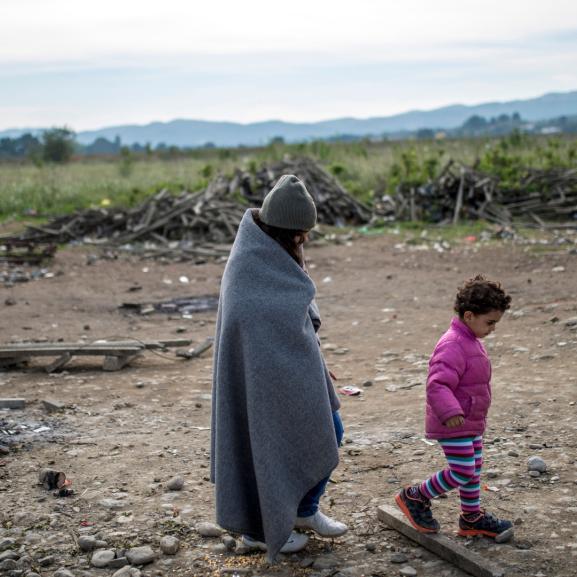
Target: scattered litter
(196, 352)
(182, 305)
(350, 391)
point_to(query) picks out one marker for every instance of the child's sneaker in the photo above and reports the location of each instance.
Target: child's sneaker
(482, 523)
(417, 509)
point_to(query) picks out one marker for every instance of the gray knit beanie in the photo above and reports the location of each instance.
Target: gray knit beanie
(289, 205)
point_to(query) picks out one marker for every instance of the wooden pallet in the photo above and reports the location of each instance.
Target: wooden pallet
(117, 354)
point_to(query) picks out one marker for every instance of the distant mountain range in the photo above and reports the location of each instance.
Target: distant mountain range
(193, 133)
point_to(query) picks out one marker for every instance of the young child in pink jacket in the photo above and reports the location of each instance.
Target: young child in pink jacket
(458, 399)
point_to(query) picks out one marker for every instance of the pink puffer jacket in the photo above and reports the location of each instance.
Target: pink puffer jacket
(459, 383)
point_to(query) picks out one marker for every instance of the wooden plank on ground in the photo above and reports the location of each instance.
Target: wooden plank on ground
(12, 403)
(58, 363)
(90, 349)
(441, 545)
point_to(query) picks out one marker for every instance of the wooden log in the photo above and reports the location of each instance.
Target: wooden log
(441, 545)
(459, 203)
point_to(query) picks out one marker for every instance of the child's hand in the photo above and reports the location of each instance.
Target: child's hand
(455, 421)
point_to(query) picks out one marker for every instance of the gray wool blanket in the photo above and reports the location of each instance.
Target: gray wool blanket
(272, 434)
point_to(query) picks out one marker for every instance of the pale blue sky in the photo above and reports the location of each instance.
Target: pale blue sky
(94, 64)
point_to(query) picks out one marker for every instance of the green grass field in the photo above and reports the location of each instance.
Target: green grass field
(366, 170)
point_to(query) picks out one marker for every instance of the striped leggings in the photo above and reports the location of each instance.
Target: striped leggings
(465, 458)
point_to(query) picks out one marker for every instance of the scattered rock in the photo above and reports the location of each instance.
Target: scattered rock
(209, 530)
(6, 543)
(87, 543)
(371, 547)
(175, 484)
(8, 555)
(113, 504)
(46, 561)
(8, 565)
(505, 536)
(118, 563)
(536, 464)
(399, 558)
(325, 562)
(102, 558)
(4, 450)
(408, 571)
(513, 453)
(169, 545)
(534, 474)
(63, 573)
(127, 571)
(229, 542)
(523, 545)
(141, 555)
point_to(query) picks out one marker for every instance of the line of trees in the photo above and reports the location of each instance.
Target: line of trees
(59, 145)
(54, 145)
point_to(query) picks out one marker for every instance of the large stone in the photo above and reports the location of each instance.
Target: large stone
(87, 542)
(209, 530)
(399, 558)
(102, 558)
(536, 464)
(8, 565)
(175, 484)
(408, 571)
(169, 545)
(140, 555)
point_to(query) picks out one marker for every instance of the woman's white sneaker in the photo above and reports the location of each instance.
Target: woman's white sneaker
(322, 525)
(296, 542)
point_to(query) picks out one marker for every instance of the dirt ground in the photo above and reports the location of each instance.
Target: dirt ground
(124, 435)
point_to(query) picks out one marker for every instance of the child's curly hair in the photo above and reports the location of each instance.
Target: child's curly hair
(481, 296)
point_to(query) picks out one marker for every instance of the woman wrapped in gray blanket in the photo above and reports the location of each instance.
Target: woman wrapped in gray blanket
(275, 422)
